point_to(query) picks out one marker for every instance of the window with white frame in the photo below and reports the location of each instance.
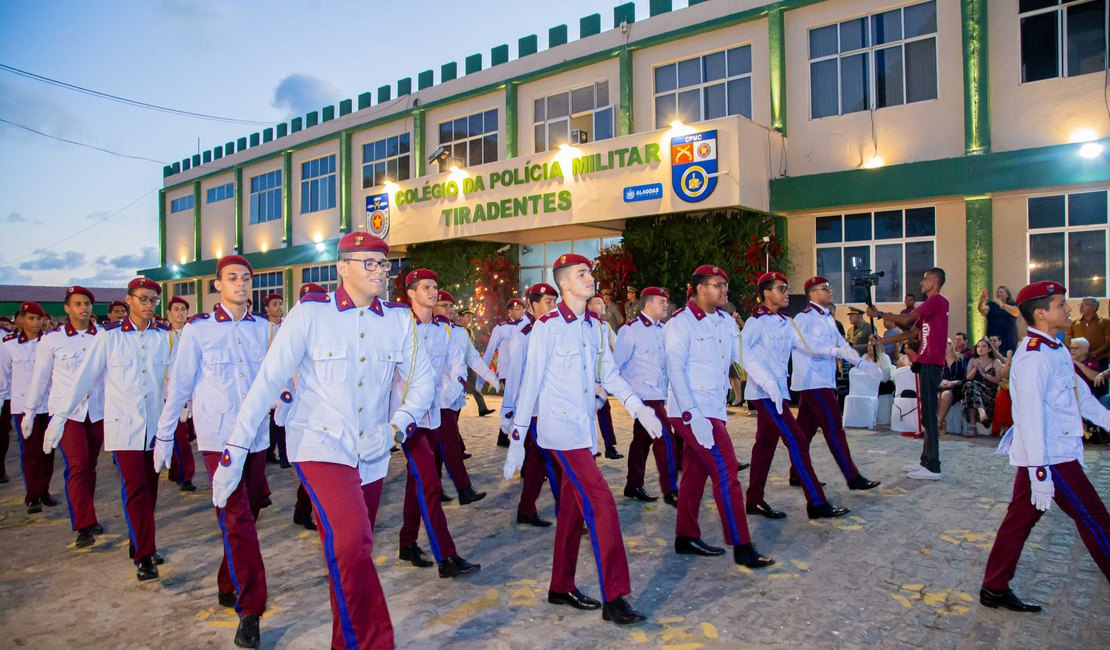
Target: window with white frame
(471, 140)
(704, 87)
(386, 160)
(585, 109)
(1062, 38)
(900, 243)
(881, 60)
(183, 289)
(324, 275)
(1067, 241)
(264, 285)
(318, 184)
(182, 204)
(536, 259)
(221, 192)
(266, 197)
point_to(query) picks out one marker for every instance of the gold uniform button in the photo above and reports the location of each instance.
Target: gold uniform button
(237, 340)
(362, 359)
(360, 409)
(388, 356)
(325, 428)
(360, 384)
(361, 335)
(329, 354)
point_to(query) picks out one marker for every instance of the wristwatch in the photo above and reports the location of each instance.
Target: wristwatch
(878, 314)
(398, 435)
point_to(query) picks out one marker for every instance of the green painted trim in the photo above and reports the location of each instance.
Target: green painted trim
(197, 240)
(965, 176)
(198, 294)
(419, 146)
(625, 119)
(776, 37)
(286, 197)
(979, 260)
(512, 127)
(977, 120)
(287, 282)
(272, 260)
(163, 309)
(346, 182)
(782, 229)
(162, 227)
(239, 196)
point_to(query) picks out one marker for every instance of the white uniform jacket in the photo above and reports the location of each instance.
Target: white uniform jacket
(17, 365)
(699, 349)
(448, 362)
(640, 359)
(498, 338)
(816, 370)
(769, 339)
(59, 355)
(567, 356)
(471, 359)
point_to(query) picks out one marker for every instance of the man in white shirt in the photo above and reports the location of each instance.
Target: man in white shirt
(497, 345)
(183, 466)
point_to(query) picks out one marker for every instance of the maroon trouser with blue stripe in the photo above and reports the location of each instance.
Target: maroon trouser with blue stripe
(80, 445)
(585, 497)
(820, 408)
(38, 467)
(664, 448)
(242, 570)
(182, 464)
(449, 451)
(360, 618)
(538, 465)
(139, 491)
(605, 423)
(422, 492)
(770, 427)
(719, 465)
(1076, 497)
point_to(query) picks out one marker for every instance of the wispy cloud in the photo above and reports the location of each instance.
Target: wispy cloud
(19, 217)
(146, 258)
(12, 275)
(108, 276)
(52, 261)
(298, 94)
(35, 111)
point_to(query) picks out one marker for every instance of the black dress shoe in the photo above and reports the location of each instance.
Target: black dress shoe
(304, 519)
(455, 566)
(413, 553)
(445, 498)
(227, 598)
(639, 493)
(620, 612)
(797, 482)
(265, 502)
(765, 510)
(4, 478)
(146, 570)
(48, 500)
(612, 454)
(468, 496)
(532, 520)
(746, 555)
(131, 551)
(671, 499)
(96, 529)
(861, 483)
(467, 456)
(484, 412)
(740, 467)
(158, 559)
(1006, 600)
(285, 464)
(575, 599)
(694, 546)
(826, 511)
(34, 507)
(85, 538)
(247, 636)
(502, 439)
(188, 486)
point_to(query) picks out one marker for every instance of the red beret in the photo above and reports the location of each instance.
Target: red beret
(570, 259)
(543, 288)
(445, 296)
(228, 260)
(1040, 290)
(78, 290)
(354, 242)
(117, 303)
(417, 275)
(816, 280)
(32, 307)
(312, 287)
(655, 291)
(143, 283)
(515, 301)
(709, 269)
(178, 300)
(273, 296)
(771, 275)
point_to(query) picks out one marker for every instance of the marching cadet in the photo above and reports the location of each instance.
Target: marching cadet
(17, 365)
(131, 356)
(769, 338)
(701, 342)
(465, 318)
(639, 358)
(117, 310)
(56, 361)
(423, 487)
(814, 379)
(182, 465)
(514, 320)
(596, 304)
(274, 305)
(450, 448)
(345, 348)
(1046, 445)
(216, 361)
(567, 357)
(302, 508)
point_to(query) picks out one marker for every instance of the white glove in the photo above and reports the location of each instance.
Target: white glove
(703, 431)
(281, 413)
(514, 460)
(227, 475)
(646, 415)
(186, 413)
(375, 442)
(163, 454)
(775, 396)
(1040, 488)
(27, 425)
(492, 380)
(53, 434)
(849, 354)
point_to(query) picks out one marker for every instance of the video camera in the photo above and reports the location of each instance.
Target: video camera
(866, 279)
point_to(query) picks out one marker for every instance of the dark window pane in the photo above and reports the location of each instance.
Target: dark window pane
(458, 152)
(1086, 38)
(367, 176)
(857, 227)
(462, 128)
(740, 60)
(828, 265)
(475, 125)
(489, 148)
(603, 124)
(740, 97)
(921, 70)
(666, 78)
(1046, 257)
(558, 105)
(540, 135)
(1030, 5)
(822, 42)
(475, 154)
(1046, 212)
(539, 110)
(404, 143)
(824, 94)
(380, 150)
(689, 72)
(920, 257)
(1087, 209)
(714, 101)
(828, 231)
(582, 100)
(601, 93)
(888, 77)
(856, 259)
(920, 19)
(853, 34)
(689, 106)
(888, 224)
(1087, 263)
(391, 146)
(886, 27)
(403, 172)
(380, 173)
(391, 169)
(853, 83)
(921, 222)
(491, 121)
(665, 110)
(558, 132)
(713, 66)
(1039, 47)
(888, 258)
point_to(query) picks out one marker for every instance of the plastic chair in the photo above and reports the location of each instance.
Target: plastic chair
(862, 402)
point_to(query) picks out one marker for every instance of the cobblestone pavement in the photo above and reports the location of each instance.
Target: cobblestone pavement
(902, 570)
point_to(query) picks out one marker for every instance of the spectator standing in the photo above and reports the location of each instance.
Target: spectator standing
(631, 305)
(860, 331)
(613, 313)
(1094, 328)
(1001, 314)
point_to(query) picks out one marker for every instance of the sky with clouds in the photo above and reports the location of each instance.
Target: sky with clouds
(74, 215)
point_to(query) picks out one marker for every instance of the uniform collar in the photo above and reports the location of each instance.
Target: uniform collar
(698, 312)
(568, 314)
(530, 317)
(224, 316)
(432, 321)
(73, 331)
(646, 321)
(763, 311)
(376, 306)
(1044, 338)
(23, 337)
(343, 300)
(818, 308)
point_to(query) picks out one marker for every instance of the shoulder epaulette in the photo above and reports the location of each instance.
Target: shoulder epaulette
(442, 319)
(201, 316)
(527, 329)
(548, 316)
(315, 297)
(11, 336)
(678, 311)
(590, 314)
(162, 326)
(395, 305)
(808, 310)
(1034, 344)
(113, 324)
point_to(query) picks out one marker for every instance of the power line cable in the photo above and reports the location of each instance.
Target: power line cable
(81, 144)
(124, 100)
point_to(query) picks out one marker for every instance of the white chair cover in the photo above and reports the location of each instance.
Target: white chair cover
(862, 384)
(860, 411)
(886, 403)
(903, 415)
(904, 379)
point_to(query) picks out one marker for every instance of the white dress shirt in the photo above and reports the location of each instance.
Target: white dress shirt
(769, 339)
(17, 365)
(640, 359)
(59, 355)
(699, 349)
(815, 367)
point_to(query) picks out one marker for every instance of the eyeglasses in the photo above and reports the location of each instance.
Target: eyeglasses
(718, 285)
(147, 301)
(370, 265)
(782, 288)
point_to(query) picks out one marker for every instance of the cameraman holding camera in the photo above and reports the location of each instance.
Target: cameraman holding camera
(929, 321)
